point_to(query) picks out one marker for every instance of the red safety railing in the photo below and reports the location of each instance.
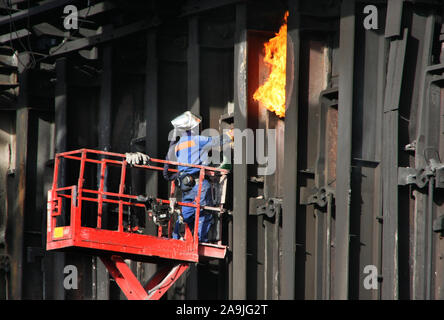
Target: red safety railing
(74, 233)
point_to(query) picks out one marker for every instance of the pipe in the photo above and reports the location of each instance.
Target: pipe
(265, 258)
(430, 242)
(289, 203)
(328, 248)
(276, 264)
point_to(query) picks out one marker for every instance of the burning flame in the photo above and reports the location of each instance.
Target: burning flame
(272, 93)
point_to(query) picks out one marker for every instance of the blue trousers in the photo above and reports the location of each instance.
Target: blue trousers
(188, 213)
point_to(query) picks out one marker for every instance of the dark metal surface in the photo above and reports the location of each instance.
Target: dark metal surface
(100, 286)
(394, 14)
(389, 164)
(15, 244)
(151, 126)
(343, 167)
(60, 144)
(289, 204)
(193, 59)
(358, 152)
(324, 196)
(240, 203)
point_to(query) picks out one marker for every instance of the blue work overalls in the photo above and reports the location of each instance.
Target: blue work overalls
(194, 150)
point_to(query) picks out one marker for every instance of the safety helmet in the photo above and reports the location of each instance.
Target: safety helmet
(186, 121)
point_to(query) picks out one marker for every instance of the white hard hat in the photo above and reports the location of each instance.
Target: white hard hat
(186, 121)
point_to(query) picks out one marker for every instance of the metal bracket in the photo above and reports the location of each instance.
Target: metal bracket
(268, 207)
(412, 176)
(316, 196)
(421, 177)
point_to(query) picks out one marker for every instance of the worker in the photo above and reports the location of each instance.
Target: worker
(191, 148)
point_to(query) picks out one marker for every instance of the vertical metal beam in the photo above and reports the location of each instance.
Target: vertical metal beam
(193, 65)
(289, 204)
(100, 273)
(429, 235)
(193, 94)
(16, 221)
(322, 263)
(421, 276)
(240, 170)
(152, 129)
(14, 229)
(390, 167)
(343, 168)
(61, 107)
(325, 177)
(394, 18)
(327, 285)
(57, 290)
(105, 107)
(7, 165)
(151, 107)
(367, 126)
(315, 242)
(380, 89)
(61, 135)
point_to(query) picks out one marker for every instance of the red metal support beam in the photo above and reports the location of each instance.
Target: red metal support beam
(164, 279)
(125, 278)
(133, 289)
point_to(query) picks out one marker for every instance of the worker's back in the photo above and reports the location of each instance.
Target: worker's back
(192, 149)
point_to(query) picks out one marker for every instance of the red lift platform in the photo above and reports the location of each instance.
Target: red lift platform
(69, 205)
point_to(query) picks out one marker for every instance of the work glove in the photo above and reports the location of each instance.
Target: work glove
(136, 158)
(230, 133)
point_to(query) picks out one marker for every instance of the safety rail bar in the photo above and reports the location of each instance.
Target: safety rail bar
(78, 194)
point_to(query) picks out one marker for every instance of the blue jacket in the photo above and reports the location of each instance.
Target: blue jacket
(193, 149)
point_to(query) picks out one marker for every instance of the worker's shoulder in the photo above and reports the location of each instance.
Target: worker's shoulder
(193, 137)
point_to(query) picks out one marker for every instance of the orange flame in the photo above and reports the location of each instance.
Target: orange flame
(272, 93)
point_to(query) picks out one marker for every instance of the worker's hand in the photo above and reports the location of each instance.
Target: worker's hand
(136, 158)
(230, 133)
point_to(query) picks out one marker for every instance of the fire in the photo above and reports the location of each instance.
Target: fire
(272, 93)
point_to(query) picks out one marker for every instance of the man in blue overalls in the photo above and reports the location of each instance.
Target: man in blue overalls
(193, 148)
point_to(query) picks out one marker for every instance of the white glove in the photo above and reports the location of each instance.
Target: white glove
(136, 157)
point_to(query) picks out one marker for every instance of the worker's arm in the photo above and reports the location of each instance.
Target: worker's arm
(216, 141)
(171, 156)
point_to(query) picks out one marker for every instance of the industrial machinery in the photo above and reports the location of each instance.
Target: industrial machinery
(71, 208)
